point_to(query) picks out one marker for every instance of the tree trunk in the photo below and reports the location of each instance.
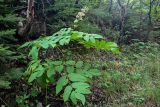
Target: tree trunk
(35, 24)
(110, 6)
(122, 17)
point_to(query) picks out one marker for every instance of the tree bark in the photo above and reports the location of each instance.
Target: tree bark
(35, 25)
(30, 9)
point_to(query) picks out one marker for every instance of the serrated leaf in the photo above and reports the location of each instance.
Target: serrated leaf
(59, 68)
(81, 97)
(77, 77)
(80, 85)
(73, 97)
(79, 64)
(67, 93)
(70, 62)
(70, 69)
(61, 83)
(51, 71)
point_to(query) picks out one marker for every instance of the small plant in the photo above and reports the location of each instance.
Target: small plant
(22, 100)
(71, 77)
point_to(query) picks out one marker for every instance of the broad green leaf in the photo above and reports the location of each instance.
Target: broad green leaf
(63, 41)
(79, 64)
(61, 83)
(70, 69)
(34, 53)
(33, 76)
(42, 81)
(92, 72)
(86, 38)
(59, 68)
(68, 40)
(83, 91)
(97, 36)
(81, 97)
(67, 93)
(80, 34)
(80, 85)
(111, 46)
(27, 44)
(80, 71)
(51, 71)
(115, 50)
(40, 70)
(92, 39)
(57, 62)
(32, 66)
(44, 43)
(70, 62)
(77, 77)
(73, 97)
(75, 35)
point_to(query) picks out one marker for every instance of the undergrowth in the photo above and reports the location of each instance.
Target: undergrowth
(133, 79)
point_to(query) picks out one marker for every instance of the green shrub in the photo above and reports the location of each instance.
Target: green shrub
(73, 77)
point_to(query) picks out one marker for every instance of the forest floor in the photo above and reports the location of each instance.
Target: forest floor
(131, 79)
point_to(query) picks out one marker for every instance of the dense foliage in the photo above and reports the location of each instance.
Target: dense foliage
(64, 53)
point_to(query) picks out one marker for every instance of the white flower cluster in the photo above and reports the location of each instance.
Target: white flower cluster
(81, 14)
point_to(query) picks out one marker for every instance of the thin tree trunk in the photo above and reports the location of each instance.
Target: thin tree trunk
(30, 9)
(149, 13)
(110, 6)
(122, 28)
